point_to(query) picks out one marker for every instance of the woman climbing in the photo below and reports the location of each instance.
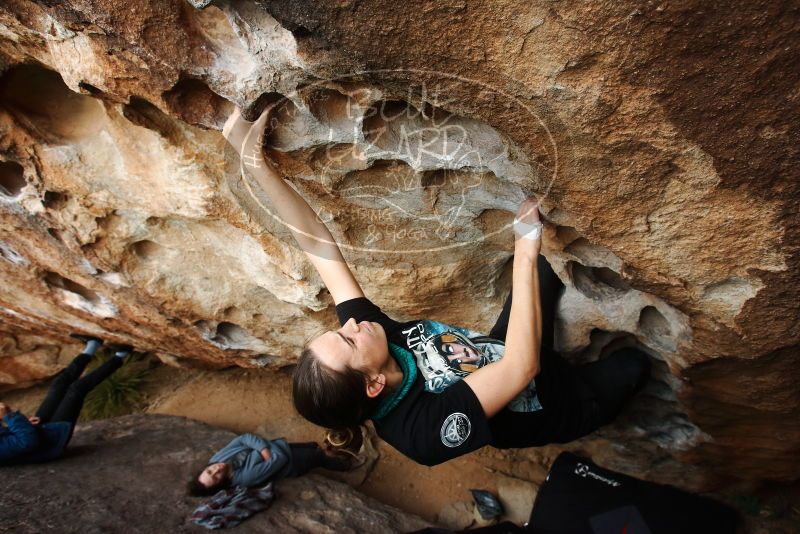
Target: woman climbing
(435, 391)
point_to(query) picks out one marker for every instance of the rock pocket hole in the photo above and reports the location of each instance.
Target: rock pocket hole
(89, 89)
(55, 234)
(657, 411)
(377, 120)
(227, 335)
(453, 182)
(437, 178)
(12, 179)
(145, 249)
(41, 99)
(54, 200)
(656, 329)
(57, 281)
(597, 282)
(333, 108)
(335, 159)
(567, 234)
(78, 296)
(588, 253)
(601, 343)
(142, 113)
(262, 360)
(231, 334)
(383, 179)
(195, 103)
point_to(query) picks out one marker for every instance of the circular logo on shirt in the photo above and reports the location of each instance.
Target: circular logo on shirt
(455, 430)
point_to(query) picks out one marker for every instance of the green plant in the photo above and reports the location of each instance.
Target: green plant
(748, 504)
(119, 393)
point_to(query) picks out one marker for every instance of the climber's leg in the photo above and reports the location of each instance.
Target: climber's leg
(550, 290)
(587, 397)
(602, 389)
(308, 456)
(65, 378)
(305, 457)
(70, 407)
(615, 379)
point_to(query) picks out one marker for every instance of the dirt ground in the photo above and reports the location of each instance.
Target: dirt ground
(260, 401)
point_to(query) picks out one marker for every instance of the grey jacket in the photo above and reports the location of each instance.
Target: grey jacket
(249, 467)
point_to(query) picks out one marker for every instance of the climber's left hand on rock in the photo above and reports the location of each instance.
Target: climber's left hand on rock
(247, 137)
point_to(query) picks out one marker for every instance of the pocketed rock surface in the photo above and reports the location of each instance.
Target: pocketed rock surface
(663, 139)
(127, 475)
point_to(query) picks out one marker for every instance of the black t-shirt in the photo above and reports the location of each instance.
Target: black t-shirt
(440, 418)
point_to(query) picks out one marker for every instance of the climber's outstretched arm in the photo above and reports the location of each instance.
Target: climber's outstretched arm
(308, 230)
(497, 384)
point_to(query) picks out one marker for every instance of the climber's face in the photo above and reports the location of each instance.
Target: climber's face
(360, 346)
(214, 474)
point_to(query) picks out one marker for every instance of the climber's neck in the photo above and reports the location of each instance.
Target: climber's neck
(393, 373)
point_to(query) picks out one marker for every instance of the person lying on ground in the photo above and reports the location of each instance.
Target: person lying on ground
(250, 460)
(436, 391)
(44, 437)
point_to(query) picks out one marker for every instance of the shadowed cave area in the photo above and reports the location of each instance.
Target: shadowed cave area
(41, 100)
(11, 179)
